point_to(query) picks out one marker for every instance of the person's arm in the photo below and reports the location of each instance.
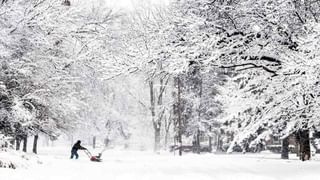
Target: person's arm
(83, 148)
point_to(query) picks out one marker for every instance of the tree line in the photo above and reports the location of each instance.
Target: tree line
(236, 70)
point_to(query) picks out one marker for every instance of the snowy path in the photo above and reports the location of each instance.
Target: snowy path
(122, 165)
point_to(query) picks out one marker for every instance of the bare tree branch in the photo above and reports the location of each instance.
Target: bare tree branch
(251, 66)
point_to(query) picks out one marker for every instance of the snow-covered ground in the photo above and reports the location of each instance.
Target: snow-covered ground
(53, 164)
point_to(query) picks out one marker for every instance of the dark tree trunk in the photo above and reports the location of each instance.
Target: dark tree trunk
(94, 142)
(198, 147)
(298, 149)
(156, 139)
(25, 143)
(35, 144)
(167, 125)
(285, 148)
(196, 143)
(18, 142)
(166, 135)
(157, 118)
(210, 140)
(304, 142)
(179, 118)
(219, 143)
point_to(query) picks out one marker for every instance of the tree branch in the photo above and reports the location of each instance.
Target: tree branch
(264, 58)
(251, 66)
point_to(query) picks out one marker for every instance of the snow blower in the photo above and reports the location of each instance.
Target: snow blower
(93, 158)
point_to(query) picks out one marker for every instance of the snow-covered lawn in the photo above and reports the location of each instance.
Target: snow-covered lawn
(136, 165)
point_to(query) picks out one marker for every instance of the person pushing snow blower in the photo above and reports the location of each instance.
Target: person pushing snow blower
(75, 148)
(78, 146)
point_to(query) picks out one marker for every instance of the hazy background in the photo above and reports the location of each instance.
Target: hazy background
(127, 4)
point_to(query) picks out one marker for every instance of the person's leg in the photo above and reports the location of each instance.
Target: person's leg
(76, 154)
(72, 154)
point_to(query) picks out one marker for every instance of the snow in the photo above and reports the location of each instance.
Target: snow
(144, 165)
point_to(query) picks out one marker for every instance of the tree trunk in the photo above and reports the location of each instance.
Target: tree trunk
(179, 118)
(35, 144)
(167, 125)
(25, 143)
(166, 139)
(217, 142)
(94, 142)
(196, 143)
(166, 135)
(198, 147)
(304, 142)
(285, 148)
(210, 140)
(156, 139)
(297, 149)
(153, 116)
(18, 142)
(106, 142)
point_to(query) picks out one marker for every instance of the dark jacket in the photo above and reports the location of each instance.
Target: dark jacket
(77, 146)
